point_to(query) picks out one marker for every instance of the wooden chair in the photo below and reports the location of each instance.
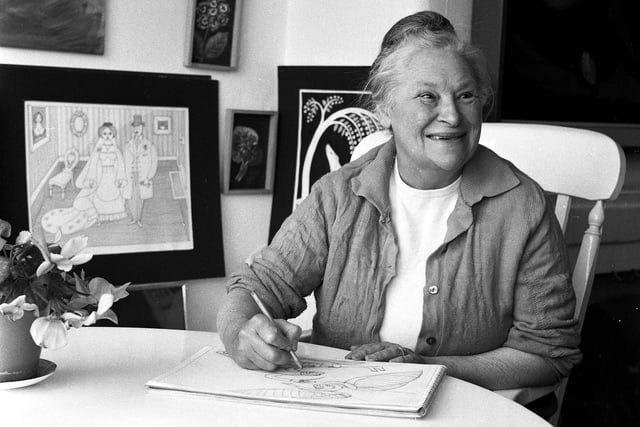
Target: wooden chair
(567, 162)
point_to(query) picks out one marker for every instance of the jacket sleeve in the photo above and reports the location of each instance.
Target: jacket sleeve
(544, 300)
(293, 265)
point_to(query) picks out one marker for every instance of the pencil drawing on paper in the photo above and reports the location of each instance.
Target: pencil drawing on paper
(308, 386)
(310, 382)
(98, 170)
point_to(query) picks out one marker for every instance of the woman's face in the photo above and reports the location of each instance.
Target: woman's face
(435, 114)
(106, 134)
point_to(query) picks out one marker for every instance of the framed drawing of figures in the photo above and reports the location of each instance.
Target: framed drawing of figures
(250, 151)
(148, 202)
(323, 116)
(59, 25)
(213, 27)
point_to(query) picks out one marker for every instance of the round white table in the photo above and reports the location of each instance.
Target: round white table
(101, 373)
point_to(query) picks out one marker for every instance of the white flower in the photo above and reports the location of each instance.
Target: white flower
(48, 332)
(23, 237)
(69, 256)
(16, 308)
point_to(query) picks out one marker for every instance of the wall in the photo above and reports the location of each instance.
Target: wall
(150, 35)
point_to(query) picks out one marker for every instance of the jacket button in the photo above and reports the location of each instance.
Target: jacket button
(433, 289)
(431, 340)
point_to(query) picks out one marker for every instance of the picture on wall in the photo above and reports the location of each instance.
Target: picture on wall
(213, 28)
(58, 25)
(250, 151)
(148, 202)
(115, 184)
(323, 116)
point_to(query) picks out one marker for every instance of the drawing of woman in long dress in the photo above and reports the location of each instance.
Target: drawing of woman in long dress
(101, 182)
(104, 175)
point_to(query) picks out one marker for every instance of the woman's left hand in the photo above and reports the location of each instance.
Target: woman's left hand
(383, 352)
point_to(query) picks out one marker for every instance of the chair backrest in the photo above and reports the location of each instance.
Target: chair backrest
(565, 161)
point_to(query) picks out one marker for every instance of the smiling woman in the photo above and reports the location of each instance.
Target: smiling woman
(426, 249)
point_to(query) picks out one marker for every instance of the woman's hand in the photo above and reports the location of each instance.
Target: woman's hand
(384, 352)
(261, 344)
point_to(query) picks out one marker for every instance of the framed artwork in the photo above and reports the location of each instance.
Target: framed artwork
(323, 117)
(212, 34)
(143, 199)
(250, 151)
(58, 25)
(38, 121)
(162, 125)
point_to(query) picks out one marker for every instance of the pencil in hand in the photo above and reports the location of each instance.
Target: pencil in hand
(264, 311)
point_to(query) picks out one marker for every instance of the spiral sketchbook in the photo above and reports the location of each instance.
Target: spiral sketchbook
(372, 388)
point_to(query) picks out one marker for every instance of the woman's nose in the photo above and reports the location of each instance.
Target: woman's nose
(448, 112)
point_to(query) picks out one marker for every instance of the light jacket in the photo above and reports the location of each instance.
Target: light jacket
(501, 277)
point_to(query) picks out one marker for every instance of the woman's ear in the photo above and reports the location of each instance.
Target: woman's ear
(384, 118)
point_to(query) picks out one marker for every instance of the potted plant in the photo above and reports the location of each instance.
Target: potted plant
(42, 296)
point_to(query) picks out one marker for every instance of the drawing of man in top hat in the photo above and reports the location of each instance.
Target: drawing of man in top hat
(141, 162)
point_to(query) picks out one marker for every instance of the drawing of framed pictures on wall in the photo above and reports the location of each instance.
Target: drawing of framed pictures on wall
(250, 151)
(116, 184)
(130, 160)
(213, 33)
(38, 118)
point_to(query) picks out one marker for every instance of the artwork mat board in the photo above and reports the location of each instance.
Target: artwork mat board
(196, 93)
(269, 157)
(229, 65)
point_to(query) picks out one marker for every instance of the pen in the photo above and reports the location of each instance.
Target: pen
(264, 311)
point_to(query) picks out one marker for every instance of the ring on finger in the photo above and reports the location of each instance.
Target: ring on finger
(402, 352)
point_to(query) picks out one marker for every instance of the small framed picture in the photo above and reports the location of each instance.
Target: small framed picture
(212, 34)
(38, 122)
(250, 151)
(162, 125)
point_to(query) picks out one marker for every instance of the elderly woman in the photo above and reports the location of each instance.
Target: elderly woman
(427, 249)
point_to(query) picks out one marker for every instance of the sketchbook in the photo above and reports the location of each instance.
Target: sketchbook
(372, 388)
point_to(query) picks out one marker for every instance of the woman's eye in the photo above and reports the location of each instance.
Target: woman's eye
(467, 97)
(427, 97)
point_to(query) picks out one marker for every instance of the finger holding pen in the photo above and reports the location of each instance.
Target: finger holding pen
(282, 329)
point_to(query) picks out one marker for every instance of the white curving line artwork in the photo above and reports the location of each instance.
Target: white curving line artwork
(353, 123)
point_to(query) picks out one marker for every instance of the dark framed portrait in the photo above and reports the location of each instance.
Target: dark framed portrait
(250, 150)
(147, 202)
(323, 115)
(213, 28)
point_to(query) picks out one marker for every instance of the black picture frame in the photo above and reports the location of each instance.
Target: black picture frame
(57, 25)
(250, 149)
(213, 33)
(293, 83)
(198, 94)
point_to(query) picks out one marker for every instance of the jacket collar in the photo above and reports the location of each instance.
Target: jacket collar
(485, 175)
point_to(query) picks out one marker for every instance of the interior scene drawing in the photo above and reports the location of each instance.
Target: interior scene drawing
(83, 178)
(320, 213)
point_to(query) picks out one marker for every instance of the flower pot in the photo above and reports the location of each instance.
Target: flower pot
(19, 355)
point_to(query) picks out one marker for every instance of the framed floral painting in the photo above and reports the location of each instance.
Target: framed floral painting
(212, 34)
(250, 151)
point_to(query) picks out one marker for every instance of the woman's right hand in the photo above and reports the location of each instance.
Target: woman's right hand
(261, 344)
